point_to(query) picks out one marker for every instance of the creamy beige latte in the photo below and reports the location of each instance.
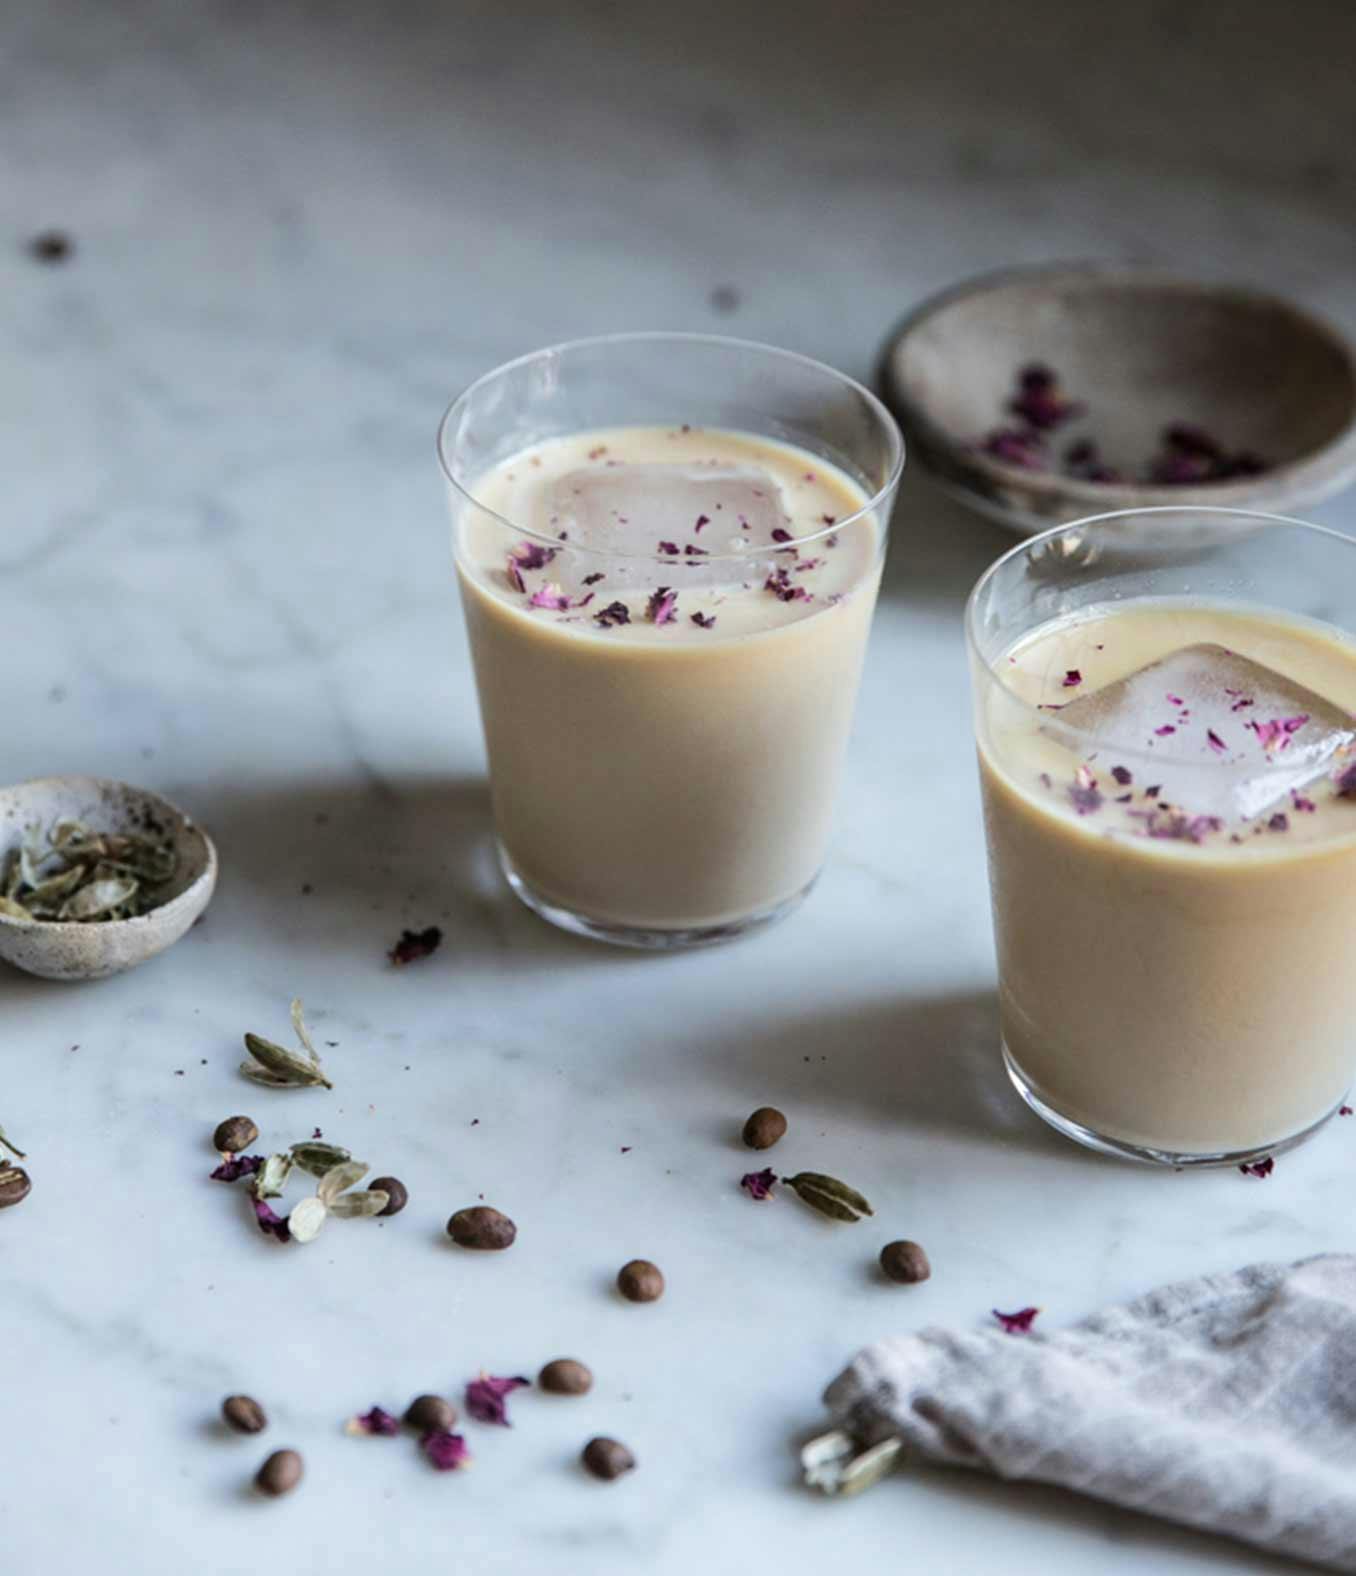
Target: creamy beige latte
(667, 632)
(1171, 821)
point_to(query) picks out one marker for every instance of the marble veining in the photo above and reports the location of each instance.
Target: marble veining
(224, 571)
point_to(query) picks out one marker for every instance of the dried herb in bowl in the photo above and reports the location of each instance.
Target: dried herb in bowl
(77, 875)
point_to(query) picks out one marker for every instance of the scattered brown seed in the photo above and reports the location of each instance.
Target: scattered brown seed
(244, 1414)
(233, 1135)
(280, 1474)
(397, 1195)
(15, 1185)
(431, 1414)
(640, 1281)
(565, 1376)
(482, 1227)
(904, 1262)
(607, 1458)
(764, 1128)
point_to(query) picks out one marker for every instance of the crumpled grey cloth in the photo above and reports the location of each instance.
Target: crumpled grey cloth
(1227, 1403)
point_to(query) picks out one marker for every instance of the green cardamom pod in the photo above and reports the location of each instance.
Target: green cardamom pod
(13, 1148)
(352, 1206)
(333, 1183)
(271, 1178)
(318, 1158)
(285, 1067)
(828, 1195)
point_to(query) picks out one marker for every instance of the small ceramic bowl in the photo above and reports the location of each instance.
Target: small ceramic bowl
(70, 950)
(1139, 349)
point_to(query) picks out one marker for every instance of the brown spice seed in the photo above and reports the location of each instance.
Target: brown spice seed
(640, 1281)
(397, 1195)
(764, 1128)
(565, 1376)
(607, 1459)
(14, 1186)
(233, 1135)
(280, 1474)
(244, 1414)
(904, 1262)
(431, 1414)
(482, 1227)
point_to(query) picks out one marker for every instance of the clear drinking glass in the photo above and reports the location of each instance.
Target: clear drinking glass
(1163, 707)
(666, 707)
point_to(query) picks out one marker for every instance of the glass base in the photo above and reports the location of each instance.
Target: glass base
(1121, 1150)
(645, 938)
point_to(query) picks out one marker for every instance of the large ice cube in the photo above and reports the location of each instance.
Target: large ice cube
(1230, 737)
(684, 514)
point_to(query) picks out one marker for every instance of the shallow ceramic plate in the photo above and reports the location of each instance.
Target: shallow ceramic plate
(1139, 348)
(69, 950)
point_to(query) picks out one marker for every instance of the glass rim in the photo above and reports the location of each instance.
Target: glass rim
(659, 337)
(1047, 718)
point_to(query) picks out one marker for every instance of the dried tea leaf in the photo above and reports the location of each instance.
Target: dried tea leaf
(285, 1066)
(334, 1182)
(352, 1206)
(828, 1195)
(99, 898)
(318, 1158)
(306, 1219)
(13, 1148)
(12, 910)
(271, 1178)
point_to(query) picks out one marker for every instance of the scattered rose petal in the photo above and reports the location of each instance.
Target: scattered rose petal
(669, 548)
(486, 1398)
(445, 1451)
(1038, 399)
(550, 596)
(780, 534)
(662, 606)
(779, 584)
(1302, 802)
(594, 578)
(1016, 1323)
(613, 613)
(515, 578)
(1215, 742)
(702, 519)
(1277, 732)
(1176, 827)
(1344, 1110)
(689, 551)
(703, 622)
(270, 1224)
(1023, 447)
(758, 1184)
(1085, 796)
(1346, 782)
(531, 555)
(1258, 1168)
(1166, 729)
(236, 1167)
(1122, 775)
(1280, 822)
(377, 1421)
(416, 944)
(1072, 679)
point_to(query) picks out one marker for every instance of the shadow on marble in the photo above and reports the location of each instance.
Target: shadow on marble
(345, 863)
(938, 548)
(1156, 1543)
(927, 1062)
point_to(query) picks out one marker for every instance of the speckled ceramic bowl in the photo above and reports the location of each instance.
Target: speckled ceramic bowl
(1140, 349)
(67, 950)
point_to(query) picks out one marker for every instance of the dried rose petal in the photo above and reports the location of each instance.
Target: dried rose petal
(779, 584)
(758, 1184)
(270, 1224)
(1280, 822)
(1258, 1168)
(1345, 782)
(661, 608)
(1016, 1323)
(1123, 775)
(613, 613)
(445, 1451)
(703, 622)
(593, 579)
(1085, 796)
(416, 944)
(671, 548)
(1344, 1110)
(1038, 399)
(1302, 802)
(515, 577)
(236, 1167)
(377, 1421)
(780, 534)
(702, 519)
(1015, 446)
(1277, 732)
(1215, 742)
(531, 555)
(486, 1397)
(1072, 679)
(550, 596)
(689, 551)
(1166, 729)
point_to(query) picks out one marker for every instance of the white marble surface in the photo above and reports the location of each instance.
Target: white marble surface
(223, 573)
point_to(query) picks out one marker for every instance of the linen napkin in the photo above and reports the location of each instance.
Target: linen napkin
(1227, 1403)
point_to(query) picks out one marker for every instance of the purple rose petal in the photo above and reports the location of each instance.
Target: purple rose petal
(703, 622)
(662, 606)
(445, 1451)
(613, 613)
(1123, 775)
(1072, 679)
(1016, 1323)
(670, 548)
(236, 1167)
(1261, 1169)
(270, 1224)
(758, 1184)
(378, 1421)
(486, 1398)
